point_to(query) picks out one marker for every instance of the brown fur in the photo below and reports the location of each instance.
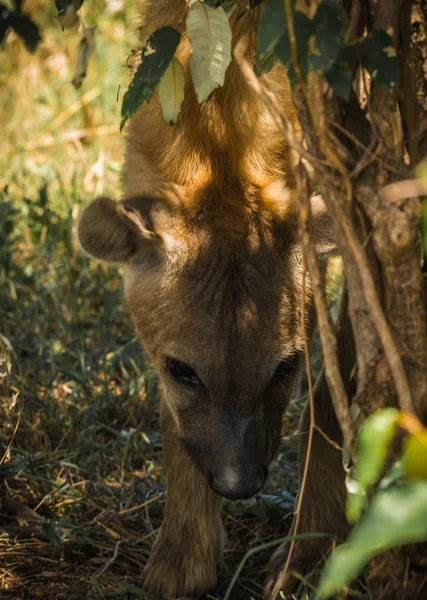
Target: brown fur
(207, 232)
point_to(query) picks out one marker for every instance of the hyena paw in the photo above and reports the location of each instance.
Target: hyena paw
(180, 570)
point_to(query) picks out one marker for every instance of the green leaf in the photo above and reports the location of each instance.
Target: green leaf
(65, 521)
(63, 5)
(265, 65)
(328, 31)
(271, 29)
(4, 21)
(396, 517)
(374, 439)
(26, 29)
(171, 91)
(303, 27)
(156, 57)
(414, 459)
(49, 532)
(379, 57)
(340, 78)
(210, 38)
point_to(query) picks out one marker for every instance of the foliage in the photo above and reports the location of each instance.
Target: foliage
(319, 43)
(397, 511)
(21, 24)
(171, 91)
(156, 57)
(321, 46)
(210, 38)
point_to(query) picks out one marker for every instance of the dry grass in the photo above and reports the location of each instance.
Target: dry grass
(82, 490)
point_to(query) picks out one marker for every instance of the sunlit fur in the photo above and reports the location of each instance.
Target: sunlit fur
(207, 233)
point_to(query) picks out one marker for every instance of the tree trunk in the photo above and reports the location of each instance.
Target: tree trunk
(358, 155)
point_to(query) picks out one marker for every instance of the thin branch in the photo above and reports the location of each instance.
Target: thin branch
(270, 102)
(400, 190)
(327, 334)
(329, 342)
(352, 32)
(283, 574)
(109, 562)
(330, 441)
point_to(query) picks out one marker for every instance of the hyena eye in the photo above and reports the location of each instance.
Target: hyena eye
(182, 372)
(285, 368)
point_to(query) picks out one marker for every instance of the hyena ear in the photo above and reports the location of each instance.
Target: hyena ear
(114, 231)
(323, 234)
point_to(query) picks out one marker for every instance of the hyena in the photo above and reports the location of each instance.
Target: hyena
(207, 234)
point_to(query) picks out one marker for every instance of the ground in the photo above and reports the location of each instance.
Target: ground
(82, 487)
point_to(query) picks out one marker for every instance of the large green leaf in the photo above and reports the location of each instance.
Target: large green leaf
(4, 21)
(26, 29)
(340, 78)
(396, 517)
(379, 57)
(303, 28)
(340, 75)
(49, 532)
(328, 31)
(374, 439)
(156, 57)
(171, 91)
(210, 38)
(271, 29)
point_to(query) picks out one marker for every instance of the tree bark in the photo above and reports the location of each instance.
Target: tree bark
(378, 233)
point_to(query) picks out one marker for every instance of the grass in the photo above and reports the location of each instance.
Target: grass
(82, 489)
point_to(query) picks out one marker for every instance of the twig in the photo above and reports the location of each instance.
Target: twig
(109, 562)
(365, 160)
(353, 27)
(400, 190)
(327, 334)
(266, 546)
(270, 102)
(330, 441)
(297, 513)
(144, 504)
(70, 136)
(75, 108)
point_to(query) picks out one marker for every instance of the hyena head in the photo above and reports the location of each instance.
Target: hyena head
(216, 297)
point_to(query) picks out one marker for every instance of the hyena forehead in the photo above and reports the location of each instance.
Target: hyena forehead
(226, 300)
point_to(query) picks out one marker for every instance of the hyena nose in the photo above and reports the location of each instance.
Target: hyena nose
(237, 484)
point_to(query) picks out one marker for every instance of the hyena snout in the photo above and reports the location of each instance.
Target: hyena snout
(237, 482)
(236, 461)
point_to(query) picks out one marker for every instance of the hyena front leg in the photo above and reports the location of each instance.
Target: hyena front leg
(189, 546)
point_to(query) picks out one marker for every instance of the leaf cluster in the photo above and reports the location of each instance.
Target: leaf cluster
(21, 24)
(388, 513)
(320, 46)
